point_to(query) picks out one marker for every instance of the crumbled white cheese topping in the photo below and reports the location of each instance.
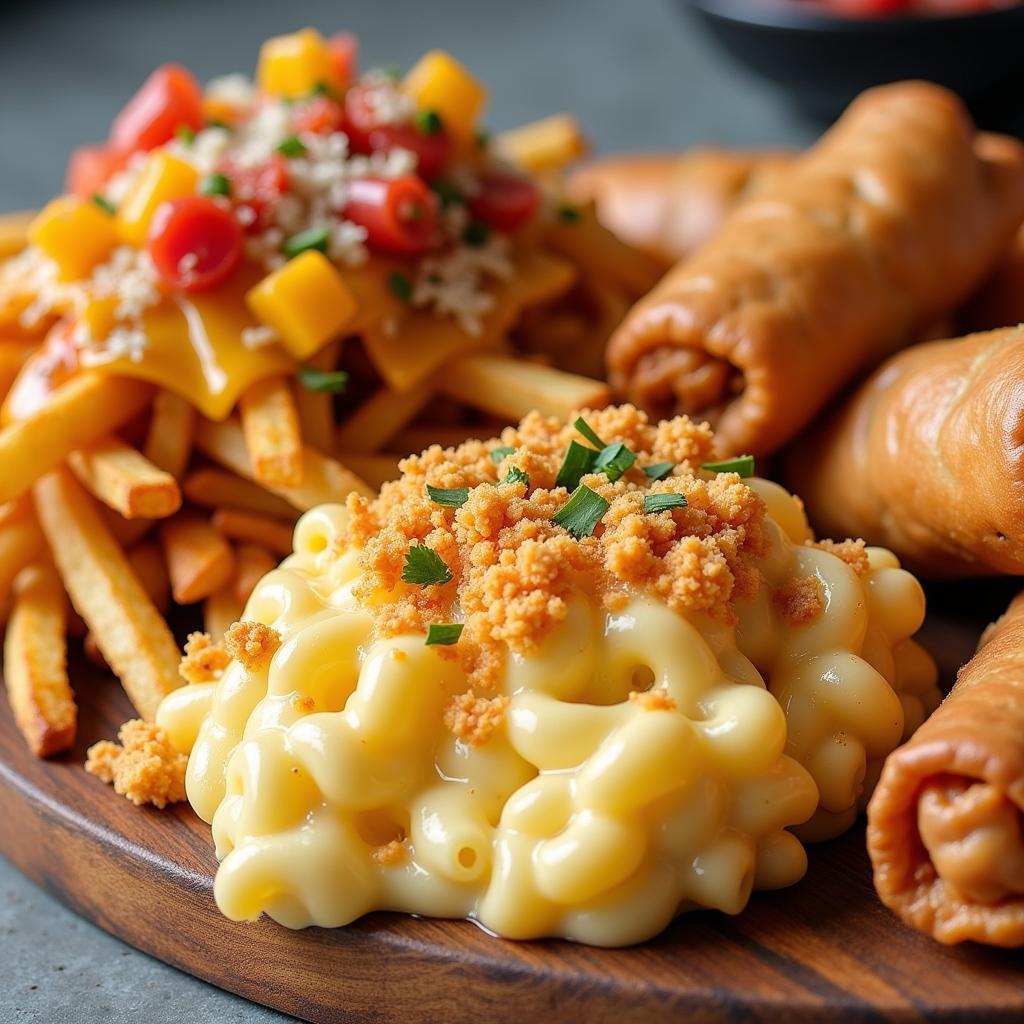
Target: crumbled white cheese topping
(235, 90)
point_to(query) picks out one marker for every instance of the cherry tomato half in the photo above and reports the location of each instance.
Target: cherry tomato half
(258, 188)
(90, 168)
(505, 201)
(195, 243)
(168, 99)
(343, 55)
(319, 116)
(432, 149)
(359, 118)
(399, 214)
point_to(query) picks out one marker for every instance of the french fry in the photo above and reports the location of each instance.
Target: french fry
(379, 418)
(147, 561)
(125, 480)
(420, 436)
(35, 662)
(214, 488)
(374, 469)
(246, 526)
(323, 478)
(252, 563)
(169, 438)
(542, 145)
(21, 544)
(199, 560)
(129, 630)
(220, 611)
(271, 425)
(510, 387)
(316, 408)
(127, 532)
(14, 232)
(80, 412)
(13, 354)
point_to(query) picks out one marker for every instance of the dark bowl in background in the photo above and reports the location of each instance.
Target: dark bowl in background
(824, 60)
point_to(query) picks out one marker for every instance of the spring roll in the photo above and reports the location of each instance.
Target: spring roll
(926, 458)
(1000, 301)
(669, 203)
(946, 822)
(895, 216)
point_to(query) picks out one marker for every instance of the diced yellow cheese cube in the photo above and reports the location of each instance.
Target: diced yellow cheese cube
(74, 233)
(439, 82)
(306, 301)
(164, 177)
(292, 66)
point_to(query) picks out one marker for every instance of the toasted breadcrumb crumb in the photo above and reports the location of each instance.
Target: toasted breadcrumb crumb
(252, 643)
(391, 854)
(203, 660)
(474, 719)
(304, 703)
(653, 700)
(799, 600)
(145, 768)
(852, 552)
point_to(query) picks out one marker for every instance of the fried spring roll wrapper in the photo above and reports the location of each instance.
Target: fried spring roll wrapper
(669, 203)
(887, 223)
(926, 458)
(1000, 302)
(945, 823)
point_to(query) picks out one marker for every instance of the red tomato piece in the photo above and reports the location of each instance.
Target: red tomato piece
(399, 214)
(359, 118)
(432, 150)
(168, 99)
(90, 168)
(258, 188)
(343, 53)
(195, 243)
(505, 201)
(319, 116)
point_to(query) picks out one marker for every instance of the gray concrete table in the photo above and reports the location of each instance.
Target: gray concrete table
(637, 74)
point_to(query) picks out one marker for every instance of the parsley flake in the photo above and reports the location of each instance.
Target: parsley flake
(332, 382)
(659, 470)
(450, 497)
(742, 465)
(582, 512)
(514, 476)
(424, 567)
(663, 502)
(568, 214)
(443, 634)
(428, 122)
(215, 184)
(104, 204)
(291, 146)
(185, 134)
(499, 454)
(400, 285)
(312, 238)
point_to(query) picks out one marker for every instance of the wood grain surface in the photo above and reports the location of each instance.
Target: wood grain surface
(823, 950)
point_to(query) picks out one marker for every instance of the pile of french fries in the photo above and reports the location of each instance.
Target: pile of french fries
(119, 496)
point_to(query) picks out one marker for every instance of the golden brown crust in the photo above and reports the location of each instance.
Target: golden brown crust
(391, 854)
(252, 643)
(976, 735)
(887, 223)
(1000, 301)
(474, 719)
(852, 552)
(145, 768)
(926, 458)
(203, 661)
(799, 600)
(657, 699)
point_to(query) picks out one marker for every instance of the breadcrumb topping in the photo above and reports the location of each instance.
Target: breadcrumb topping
(799, 600)
(251, 643)
(203, 660)
(474, 719)
(514, 570)
(653, 700)
(391, 854)
(144, 767)
(852, 552)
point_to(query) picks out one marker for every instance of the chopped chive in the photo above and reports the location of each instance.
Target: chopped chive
(582, 512)
(579, 460)
(185, 134)
(568, 214)
(450, 497)
(476, 234)
(215, 184)
(443, 634)
(104, 204)
(514, 476)
(659, 470)
(584, 428)
(428, 122)
(332, 382)
(663, 502)
(500, 453)
(312, 238)
(217, 123)
(446, 192)
(614, 459)
(742, 465)
(425, 567)
(400, 285)
(291, 146)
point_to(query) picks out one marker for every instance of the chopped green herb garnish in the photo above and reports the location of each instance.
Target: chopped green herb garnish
(568, 214)
(450, 497)
(222, 125)
(312, 238)
(659, 470)
(400, 285)
(476, 234)
(582, 512)
(425, 567)
(185, 134)
(514, 476)
(743, 465)
(215, 184)
(614, 459)
(579, 460)
(104, 204)
(584, 428)
(443, 634)
(428, 122)
(500, 453)
(663, 502)
(482, 137)
(321, 89)
(447, 192)
(332, 382)
(291, 146)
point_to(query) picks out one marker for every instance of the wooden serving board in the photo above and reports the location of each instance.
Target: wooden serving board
(825, 949)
